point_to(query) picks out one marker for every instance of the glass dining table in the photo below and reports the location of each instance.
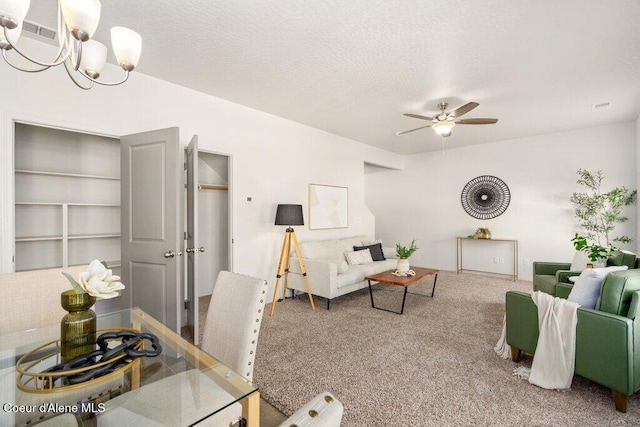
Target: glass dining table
(181, 386)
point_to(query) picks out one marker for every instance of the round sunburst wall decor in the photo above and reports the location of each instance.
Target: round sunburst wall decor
(485, 197)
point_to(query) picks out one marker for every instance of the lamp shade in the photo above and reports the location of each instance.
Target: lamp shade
(127, 45)
(81, 16)
(15, 10)
(289, 215)
(94, 56)
(443, 128)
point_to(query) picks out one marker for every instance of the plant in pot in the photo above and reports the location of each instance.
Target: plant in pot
(403, 253)
(598, 213)
(78, 326)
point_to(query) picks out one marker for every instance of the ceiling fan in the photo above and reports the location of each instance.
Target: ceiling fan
(444, 122)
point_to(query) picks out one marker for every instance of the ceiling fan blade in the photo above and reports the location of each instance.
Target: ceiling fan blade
(464, 109)
(418, 116)
(411, 130)
(476, 121)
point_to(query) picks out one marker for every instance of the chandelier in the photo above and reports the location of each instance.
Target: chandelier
(80, 55)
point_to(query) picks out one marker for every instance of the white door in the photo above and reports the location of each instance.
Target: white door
(151, 185)
(193, 250)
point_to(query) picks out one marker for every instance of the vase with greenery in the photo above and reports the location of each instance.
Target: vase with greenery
(403, 253)
(598, 213)
(78, 326)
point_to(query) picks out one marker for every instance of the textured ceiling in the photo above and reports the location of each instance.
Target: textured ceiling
(354, 67)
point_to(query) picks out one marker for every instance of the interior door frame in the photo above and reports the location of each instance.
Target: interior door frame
(7, 165)
(230, 225)
(191, 240)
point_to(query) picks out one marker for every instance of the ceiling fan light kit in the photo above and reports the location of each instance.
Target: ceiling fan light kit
(443, 128)
(78, 52)
(444, 122)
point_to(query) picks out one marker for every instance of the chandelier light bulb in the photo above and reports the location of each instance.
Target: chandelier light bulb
(127, 46)
(81, 17)
(12, 12)
(94, 56)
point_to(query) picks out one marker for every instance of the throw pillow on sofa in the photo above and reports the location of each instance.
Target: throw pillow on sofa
(586, 290)
(375, 249)
(358, 257)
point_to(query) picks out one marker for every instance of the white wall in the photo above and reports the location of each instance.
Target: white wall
(273, 159)
(423, 200)
(637, 129)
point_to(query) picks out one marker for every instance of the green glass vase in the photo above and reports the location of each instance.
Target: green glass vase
(78, 327)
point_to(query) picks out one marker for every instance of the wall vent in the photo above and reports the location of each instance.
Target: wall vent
(39, 32)
(47, 33)
(30, 27)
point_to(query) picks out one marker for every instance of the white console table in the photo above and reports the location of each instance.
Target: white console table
(460, 268)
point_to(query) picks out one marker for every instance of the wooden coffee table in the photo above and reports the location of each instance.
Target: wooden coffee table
(389, 279)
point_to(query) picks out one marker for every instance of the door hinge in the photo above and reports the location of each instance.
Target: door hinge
(233, 240)
(185, 235)
(186, 305)
(185, 165)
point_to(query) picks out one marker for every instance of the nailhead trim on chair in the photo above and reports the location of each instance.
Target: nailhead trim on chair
(255, 331)
(312, 412)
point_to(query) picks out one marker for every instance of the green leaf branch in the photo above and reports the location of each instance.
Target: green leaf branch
(404, 252)
(598, 213)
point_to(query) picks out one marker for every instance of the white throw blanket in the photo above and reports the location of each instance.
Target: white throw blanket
(503, 349)
(554, 361)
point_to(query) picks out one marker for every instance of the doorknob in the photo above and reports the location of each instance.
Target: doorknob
(192, 250)
(170, 254)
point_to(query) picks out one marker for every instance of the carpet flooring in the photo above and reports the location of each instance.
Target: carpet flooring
(433, 365)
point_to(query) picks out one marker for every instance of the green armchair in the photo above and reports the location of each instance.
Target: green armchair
(607, 339)
(546, 275)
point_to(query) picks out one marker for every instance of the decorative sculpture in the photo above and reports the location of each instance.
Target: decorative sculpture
(485, 197)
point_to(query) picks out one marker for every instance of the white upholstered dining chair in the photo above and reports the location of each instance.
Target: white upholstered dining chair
(230, 335)
(31, 299)
(324, 410)
(233, 321)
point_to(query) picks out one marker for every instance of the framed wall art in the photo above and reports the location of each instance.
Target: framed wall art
(328, 207)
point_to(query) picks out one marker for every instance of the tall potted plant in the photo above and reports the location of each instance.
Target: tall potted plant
(403, 253)
(598, 213)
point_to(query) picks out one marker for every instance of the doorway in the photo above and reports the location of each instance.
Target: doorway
(214, 213)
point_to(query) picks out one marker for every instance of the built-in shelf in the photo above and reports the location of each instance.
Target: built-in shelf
(106, 205)
(111, 265)
(37, 238)
(71, 175)
(63, 214)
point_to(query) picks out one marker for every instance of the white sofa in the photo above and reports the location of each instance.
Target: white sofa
(328, 272)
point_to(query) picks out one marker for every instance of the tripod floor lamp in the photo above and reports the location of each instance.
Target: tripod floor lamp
(289, 215)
